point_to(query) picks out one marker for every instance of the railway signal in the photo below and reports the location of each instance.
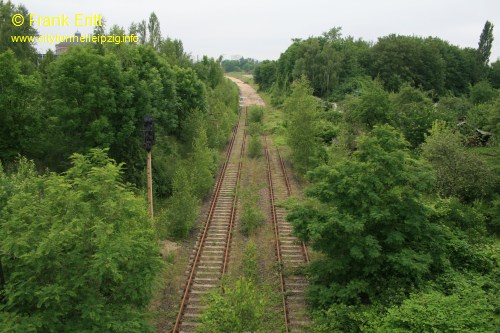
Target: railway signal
(149, 141)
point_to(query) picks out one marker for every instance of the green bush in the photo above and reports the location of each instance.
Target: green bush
(255, 147)
(78, 251)
(182, 206)
(255, 129)
(251, 215)
(239, 307)
(460, 172)
(249, 263)
(256, 114)
(468, 310)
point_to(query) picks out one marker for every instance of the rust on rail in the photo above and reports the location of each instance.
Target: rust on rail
(276, 237)
(203, 236)
(289, 190)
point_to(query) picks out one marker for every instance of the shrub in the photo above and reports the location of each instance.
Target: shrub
(256, 114)
(459, 171)
(239, 307)
(255, 147)
(78, 251)
(251, 216)
(249, 263)
(255, 129)
(182, 206)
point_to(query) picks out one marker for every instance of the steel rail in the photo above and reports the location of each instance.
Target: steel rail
(276, 237)
(201, 240)
(233, 208)
(289, 190)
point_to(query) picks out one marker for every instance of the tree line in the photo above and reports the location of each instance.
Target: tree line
(334, 64)
(77, 251)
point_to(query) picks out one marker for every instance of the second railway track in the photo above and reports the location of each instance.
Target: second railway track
(291, 254)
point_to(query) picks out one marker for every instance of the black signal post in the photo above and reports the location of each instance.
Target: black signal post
(149, 141)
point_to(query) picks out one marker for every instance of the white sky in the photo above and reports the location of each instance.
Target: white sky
(262, 29)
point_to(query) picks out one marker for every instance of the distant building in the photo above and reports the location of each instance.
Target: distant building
(62, 47)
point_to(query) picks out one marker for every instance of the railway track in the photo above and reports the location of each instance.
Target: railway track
(210, 257)
(291, 254)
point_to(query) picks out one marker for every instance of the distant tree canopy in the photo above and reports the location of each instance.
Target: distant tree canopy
(332, 63)
(240, 65)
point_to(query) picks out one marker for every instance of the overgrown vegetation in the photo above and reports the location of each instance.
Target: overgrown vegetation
(77, 251)
(243, 304)
(251, 214)
(255, 122)
(403, 175)
(239, 65)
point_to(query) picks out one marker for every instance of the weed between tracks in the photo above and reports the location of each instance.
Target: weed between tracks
(164, 308)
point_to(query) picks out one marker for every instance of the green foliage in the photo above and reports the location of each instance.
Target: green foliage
(256, 114)
(154, 31)
(468, 310)
(250, 261)
(209, 71)
(20, 104)
(370, 220)
(182, 209)
(466, 306)
(412, 113)
(25, 53)
(238, 307)
(405, 59)
(302, 114)
(255, 129)
(432, 64)
(459, 172)
(452, 109)
(265, 74)
(255, 146)
(251, 214)
(203, 164)
(223, 105)
(482, 92)
(173, 51)
(370, 107)
(485, 43)
(485, 117)
(240, 65)
(78, 250)
(495, 74)
(341, 318)
(328, 61)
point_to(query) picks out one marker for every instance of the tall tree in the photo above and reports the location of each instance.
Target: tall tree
(140, 30)
(154, 31)
(485, 43)
(369, 216)
(20, 112)
(25, 52)
(301, 108)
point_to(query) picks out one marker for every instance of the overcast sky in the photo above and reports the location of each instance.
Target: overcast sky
(262, 29)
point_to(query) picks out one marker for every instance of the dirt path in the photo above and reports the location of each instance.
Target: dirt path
(250, 96)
